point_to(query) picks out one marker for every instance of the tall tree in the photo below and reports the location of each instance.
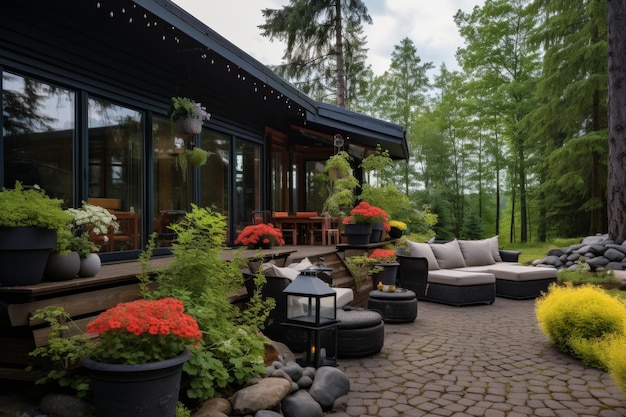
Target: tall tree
(315, 32)
(497, 51)
(616, 13)
(569, 122)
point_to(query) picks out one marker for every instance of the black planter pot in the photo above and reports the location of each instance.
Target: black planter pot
(358, 234)
(24, 254)
(387, 276)
(395, 233)
(149, 389)
(378, 231)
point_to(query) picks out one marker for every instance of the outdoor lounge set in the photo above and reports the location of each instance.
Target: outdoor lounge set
(463, 272)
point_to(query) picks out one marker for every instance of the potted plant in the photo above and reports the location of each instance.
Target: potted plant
(90, 222)
(396, 228)
(28, 233)
(137, 362)
(260, 236)
(385, 269)
(188, 115)
(362, 217)
(340, 184)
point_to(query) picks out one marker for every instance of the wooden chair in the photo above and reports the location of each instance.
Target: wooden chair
(165, 235)
(306, 229)
(287, 229)
(331, 229)
(261, 217)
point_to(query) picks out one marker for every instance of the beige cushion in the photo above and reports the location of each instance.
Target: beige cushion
(448, 254)
(476, 252)
(460, 278)
(495, 248)
(423, 250)
(516, 272)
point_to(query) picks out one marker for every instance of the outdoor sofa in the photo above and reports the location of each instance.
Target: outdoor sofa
(463, 272)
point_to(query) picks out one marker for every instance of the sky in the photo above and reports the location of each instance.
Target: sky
(428, 23)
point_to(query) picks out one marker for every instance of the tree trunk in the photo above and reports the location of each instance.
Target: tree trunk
(341, 73)
(616, 188)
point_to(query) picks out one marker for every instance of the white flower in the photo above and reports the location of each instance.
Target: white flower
(98, 219)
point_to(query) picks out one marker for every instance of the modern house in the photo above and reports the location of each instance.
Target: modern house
(86, 88)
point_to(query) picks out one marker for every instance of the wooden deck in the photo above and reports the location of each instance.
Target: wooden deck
(84, 298)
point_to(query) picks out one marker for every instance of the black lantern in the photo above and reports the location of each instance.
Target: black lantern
(312, 307)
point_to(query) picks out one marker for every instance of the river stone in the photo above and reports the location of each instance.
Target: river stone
(305, 382)
(280, 373)
(613, 255)
(265, 395)
(615, 266)
(214, 407)
(301, 404)
(62, 405)
(293, 370)
(598, 262)
(267, 413)
(329, 384)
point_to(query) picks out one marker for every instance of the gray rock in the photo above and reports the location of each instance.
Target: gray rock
(597, 262)
(301, 404)
(589, 240)
(615, 266)
(267, 413)
(293, 370)
(620, 248)
(62, 405)
(597, 249)
(583, 249)
(614, 255)
(265, 395)
(305, 382)
(280, 373)
(329, 384)
(555, 252)
(552, 260)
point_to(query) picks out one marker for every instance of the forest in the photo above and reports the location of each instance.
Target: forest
(513, 143)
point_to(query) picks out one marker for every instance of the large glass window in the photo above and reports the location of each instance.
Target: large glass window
(248, 181)
(215, 174)
(316, 191)
(115, 168)
(38, 129)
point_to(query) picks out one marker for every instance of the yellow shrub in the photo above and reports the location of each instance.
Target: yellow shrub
(616, 356)
(575, 318)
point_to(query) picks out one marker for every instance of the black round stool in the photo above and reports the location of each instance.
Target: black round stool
(399, 306)
(360, 333)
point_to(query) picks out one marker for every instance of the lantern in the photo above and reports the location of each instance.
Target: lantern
(312, 307)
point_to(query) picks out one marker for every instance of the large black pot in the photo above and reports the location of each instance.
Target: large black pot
(24, 253)
(149, 389)
(358, 234)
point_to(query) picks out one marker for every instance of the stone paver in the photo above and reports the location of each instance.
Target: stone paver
(486, 360)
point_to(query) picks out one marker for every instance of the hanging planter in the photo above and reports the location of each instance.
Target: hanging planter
(188, 115)
(194, 157)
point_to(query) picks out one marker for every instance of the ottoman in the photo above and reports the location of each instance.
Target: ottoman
(360, 333)
(399, 306)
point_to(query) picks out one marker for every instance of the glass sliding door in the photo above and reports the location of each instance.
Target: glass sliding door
(215, 174)
(39, 129)
(115, 154)
(247, 182)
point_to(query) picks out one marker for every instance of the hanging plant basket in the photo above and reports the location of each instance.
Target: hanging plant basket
(189, 126)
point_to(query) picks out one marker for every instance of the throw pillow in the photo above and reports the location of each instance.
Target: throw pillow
(448, 255)
(423, 250)
(476, 252)
(302, 265)
(495, 248)
(283, 272)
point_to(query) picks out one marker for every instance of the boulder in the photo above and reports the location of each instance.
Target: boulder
(329, 384)
(614, 255)
(301, 404)
(214, 407)
(265, 395)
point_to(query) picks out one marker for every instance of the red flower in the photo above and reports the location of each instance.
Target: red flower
(366, 213)
(147, 331)
(383, 255)
(256, 234)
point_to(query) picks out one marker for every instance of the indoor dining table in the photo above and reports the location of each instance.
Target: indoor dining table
(307, 223)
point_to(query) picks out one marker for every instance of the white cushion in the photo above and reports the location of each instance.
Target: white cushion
(302, 265)
(423, 250)
(344, 296)
(448, 254)
(282, 272)
(476, 252)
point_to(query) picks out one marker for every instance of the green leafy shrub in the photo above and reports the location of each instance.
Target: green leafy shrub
(231, 351)
(31, 207)
(575, 318)
(581, 276)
